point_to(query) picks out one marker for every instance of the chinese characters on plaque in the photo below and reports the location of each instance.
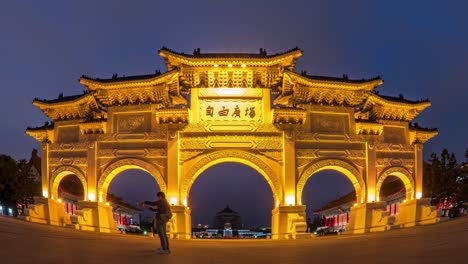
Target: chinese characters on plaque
(236, 111)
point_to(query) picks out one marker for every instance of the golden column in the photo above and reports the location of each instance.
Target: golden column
(418, 169)
(45, 169)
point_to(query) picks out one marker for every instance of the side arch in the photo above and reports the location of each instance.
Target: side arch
(116, 167)
(238, 156)
(59, 173)
(403, 174)
(351, 172)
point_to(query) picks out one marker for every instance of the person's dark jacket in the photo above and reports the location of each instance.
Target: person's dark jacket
(161, 208)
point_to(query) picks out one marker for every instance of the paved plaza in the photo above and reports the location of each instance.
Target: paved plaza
(22, 242)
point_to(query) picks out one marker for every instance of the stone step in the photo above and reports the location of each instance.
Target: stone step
(393, 227)
(304, 235)
(73, 226)
(24, 217)
(444, 219)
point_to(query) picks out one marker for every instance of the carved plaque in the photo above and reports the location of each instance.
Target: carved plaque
(329, 123)
(128, 123)
(231, 110)
(394, 135)
(69, 134)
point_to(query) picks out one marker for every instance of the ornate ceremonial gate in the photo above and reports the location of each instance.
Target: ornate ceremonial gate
(314, 123)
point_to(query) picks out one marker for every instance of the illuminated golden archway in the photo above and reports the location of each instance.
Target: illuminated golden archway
(63, 171)
(403, 174)
(338, 165)
(116, 167)
(253, 109)
(236, 156)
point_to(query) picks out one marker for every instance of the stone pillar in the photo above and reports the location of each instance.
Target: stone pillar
(289, 222)
(172, 176)
(371, 171)
(289, 169)
(194, 105)
(266, 102)
(91, 171)
(46, 188)
(180, 225)
(418, 169)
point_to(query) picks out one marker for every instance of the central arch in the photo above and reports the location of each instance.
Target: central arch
(333, 164)
(238, 156)
(116, 167)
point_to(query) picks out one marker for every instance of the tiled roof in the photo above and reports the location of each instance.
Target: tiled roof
(198, 54)
(415, 126)
(391, 188)
(118, 202)
(347, 198)
(61, 99)
(401, 99)
(47, 125)
(227, 210)
(340, 79)
(117, 78)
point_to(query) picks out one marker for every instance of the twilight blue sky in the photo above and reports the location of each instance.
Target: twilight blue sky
(420, 48)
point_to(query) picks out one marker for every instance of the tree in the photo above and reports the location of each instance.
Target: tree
(16, 183)
(463, 181)
(440, 176)
(432, 168)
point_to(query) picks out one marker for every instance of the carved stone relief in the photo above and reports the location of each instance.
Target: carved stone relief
(395, 162)
(275, 155)
(68, 161)
(160, 135)
(68, 146)
(230, 141)
(391, 147)
(323, 153)
(398, 155)
(124, 152)
(188, 154)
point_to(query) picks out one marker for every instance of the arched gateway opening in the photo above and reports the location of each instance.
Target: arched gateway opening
(74, 177)
(231, 160)
(122, 185)
(70, 191)
(69, 186)
(328, 196)
(395, 187)
(115, 168)
(332, 214)
(125, 191)
(230, 200)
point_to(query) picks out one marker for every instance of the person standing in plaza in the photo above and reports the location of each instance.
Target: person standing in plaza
(163, 215)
